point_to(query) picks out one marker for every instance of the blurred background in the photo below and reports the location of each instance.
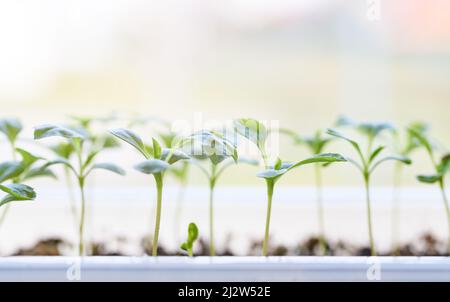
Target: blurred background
(298, 62)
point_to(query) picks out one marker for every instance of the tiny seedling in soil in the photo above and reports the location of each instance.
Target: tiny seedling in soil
(86, 152)
(257, 133)
(368, 162)
(316, 144)
(158, 161)
(217, 150)
(188, 245)
(441, 168)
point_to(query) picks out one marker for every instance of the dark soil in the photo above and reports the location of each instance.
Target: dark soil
(426, 245)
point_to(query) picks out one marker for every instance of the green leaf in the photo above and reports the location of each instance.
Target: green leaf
(251, 129)
(11, 128)
(374, 129)
(61, 161)
(90, 158)
(375, 153)
(422, 139)
(10, 169)
(401, 159)
(444, 165)
(278, 164)
(157, 152)
(42, 171)
(63, 149)
(271, 173)
(209, 144)
(352, 142)
(192, 237)
(320, 158)
(152, 166)
(131, 138)
(176, 155)
(17, 192)
(28, 158)
(430, 179)
(50, 130)
(110, 167)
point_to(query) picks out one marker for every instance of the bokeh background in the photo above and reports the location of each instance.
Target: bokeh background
(300, 63)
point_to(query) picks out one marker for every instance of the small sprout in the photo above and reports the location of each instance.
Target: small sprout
(188, 245)
(158, 161)
(220, 154)
(86, 151)
(368, 162)
(441, 168)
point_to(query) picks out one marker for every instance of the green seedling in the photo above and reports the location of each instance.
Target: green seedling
(158, 161)
(441, 168)
(405, 144)
(180, 172)
(32, 166)
(257, 133)
(217, 151)
(188, 245)
(86, 154)
(316, 144)
(368, 162)
(65, 149)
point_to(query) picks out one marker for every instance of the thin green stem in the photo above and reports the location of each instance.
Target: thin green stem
(369, 215)
(81, 250)
(159, 187)
(447, 209)
(270, 185)
(212, 251)
(190, 252)
(395, 213)
(320, 210)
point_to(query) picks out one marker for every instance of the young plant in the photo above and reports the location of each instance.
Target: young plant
(32, 166)
(65, 149)
(14, 191)
(257, 133)
(158, 161)
(316, 144)
(188, 245)
(86, 153)
(368, 162)
(217, 150)
(405, 144)
(180, 172)
(441, 168)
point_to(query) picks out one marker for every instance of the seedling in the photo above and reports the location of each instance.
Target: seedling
(405, 144)
(257, 133)
(368, 163)
(86, 153)
(30, 166)
(315, 144)
(179, 172)
(188, 245)
(65, 149)
(441, 168)
(217, 150)
(158, 160)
